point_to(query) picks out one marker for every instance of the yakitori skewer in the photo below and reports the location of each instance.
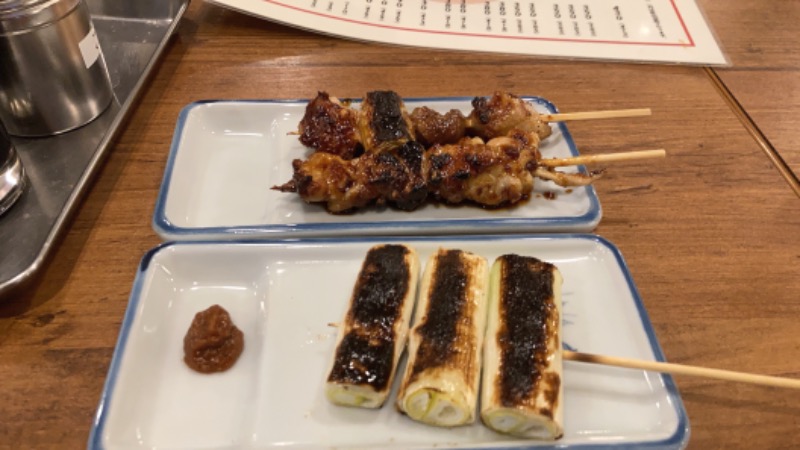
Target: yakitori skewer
(496, 173)
(331, 125)
(681, 369)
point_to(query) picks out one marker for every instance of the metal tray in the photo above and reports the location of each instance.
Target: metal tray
(132, 35)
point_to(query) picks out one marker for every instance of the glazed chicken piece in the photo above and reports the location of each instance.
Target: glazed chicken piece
(491, 117)
(332, 126)
(432, 127)
(499, 114)
(394, 177)
(496, 173)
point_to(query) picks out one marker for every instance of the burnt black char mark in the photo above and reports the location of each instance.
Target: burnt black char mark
(365, 356)
(527, 316)
(387, 122)
(449, 308)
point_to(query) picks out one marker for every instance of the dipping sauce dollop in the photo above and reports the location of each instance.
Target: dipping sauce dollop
(213, 343)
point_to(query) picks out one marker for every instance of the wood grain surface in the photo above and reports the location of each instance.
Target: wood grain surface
(760, 40)
(710, 234)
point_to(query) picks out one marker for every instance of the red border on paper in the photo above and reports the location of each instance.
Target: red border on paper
(690, 43)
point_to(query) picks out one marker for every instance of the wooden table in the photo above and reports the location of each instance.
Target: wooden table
(765, 68)
(710, 233)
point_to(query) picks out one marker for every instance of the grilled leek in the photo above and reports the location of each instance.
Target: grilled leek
(374, 331)
(384, 123)
(440, 384)
(522, 391)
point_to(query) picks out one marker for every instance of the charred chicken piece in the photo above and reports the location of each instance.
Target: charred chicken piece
(491, 117)
(431, 127)
(502, 112)
(491, 174)
(331, 126)
(394, 177)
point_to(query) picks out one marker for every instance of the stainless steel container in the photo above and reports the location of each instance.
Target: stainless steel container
(53, 76)
(12, 175)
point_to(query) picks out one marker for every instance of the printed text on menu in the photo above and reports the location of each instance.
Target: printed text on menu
(643, 22)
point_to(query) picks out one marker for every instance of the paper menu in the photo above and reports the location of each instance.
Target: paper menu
(671, 31)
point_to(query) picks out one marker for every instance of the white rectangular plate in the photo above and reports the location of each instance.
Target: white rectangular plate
(283, 295)
(226, 155)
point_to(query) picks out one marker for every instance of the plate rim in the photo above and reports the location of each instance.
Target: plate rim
(678, 440)
(168, 230)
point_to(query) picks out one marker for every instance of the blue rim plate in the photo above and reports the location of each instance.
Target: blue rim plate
(226, 155)
(283, 294)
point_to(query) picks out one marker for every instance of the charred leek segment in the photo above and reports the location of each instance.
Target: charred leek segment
(440, 384)
(522, 388)
(373, 334)
(384, 123)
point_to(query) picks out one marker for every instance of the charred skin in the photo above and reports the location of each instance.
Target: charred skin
(382, 123)
(331, 126)
(502, 112)
(431, 127)
(497, 173)
(522, 385)
(343, 186)
(373, 334)
(440, 383)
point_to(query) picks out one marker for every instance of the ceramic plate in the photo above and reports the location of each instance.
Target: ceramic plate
(226, 155)
(284, 295)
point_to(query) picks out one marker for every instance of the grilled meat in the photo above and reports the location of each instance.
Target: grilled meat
(499, 114)
(432, 127)
(499, 172)
(396, 177)
(332, 126)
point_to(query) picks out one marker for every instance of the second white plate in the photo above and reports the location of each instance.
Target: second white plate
(226, 155)
(283, 295)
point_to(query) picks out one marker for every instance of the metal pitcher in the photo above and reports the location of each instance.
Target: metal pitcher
(12, 175)
(53, 77)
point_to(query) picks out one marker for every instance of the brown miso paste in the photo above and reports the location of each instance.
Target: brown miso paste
(213, 343)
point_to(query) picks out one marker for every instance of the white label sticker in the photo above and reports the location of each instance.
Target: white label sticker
(90, 48)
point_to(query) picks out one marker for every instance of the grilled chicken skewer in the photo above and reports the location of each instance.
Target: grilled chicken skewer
(330, 125)
(522, 388)
(497, 173)
(440, 384)
(375, 328)
(496, 116)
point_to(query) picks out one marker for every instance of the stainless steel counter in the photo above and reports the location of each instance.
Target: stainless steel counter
(60, 168)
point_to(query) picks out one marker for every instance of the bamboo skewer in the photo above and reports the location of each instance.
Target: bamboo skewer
(589, 115)
(605, 157)
(680, 369)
